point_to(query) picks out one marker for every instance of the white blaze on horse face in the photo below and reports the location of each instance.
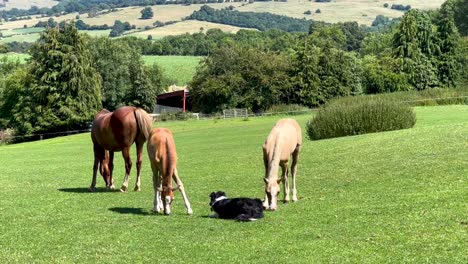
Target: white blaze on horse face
(272, 192)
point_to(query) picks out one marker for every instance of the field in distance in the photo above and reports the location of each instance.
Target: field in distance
(178, 69)
(362, 11)
(26, 4)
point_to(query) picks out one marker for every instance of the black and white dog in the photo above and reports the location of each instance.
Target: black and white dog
(242, 209)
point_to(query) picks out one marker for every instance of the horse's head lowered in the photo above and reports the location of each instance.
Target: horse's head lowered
(167, 194)
(272, 190)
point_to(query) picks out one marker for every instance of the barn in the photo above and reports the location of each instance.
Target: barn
(177, 100)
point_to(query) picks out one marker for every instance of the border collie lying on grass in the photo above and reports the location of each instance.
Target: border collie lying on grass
(242, 209)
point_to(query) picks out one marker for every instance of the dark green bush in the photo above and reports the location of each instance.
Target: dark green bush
(168, 116)
(287, 108)
(365, 116)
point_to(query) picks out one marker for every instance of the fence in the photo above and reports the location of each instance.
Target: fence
(158, 109)
(229, 113)
(235, 112)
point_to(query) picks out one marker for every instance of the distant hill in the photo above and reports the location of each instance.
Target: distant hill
(362, 11)
(25, 4)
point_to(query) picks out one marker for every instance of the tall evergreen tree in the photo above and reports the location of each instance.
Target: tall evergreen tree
(64, 90)
(449, 43)
(414, 45)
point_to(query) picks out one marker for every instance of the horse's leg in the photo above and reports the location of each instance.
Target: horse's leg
(92, 188)
(157, 205)
(128, 167)
(295, 157)
(139, 147)
(180, 186)
(111, 170)
(98, 156)
(284, 169)
(266, 203)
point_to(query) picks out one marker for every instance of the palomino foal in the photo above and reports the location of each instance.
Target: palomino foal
(284, 140)
(163, 157)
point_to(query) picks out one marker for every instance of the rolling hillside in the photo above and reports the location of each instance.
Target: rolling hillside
(362, 11)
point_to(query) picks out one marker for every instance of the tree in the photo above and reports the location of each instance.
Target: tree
(319, 74)
(63, 89)
(125, 78)
(459, 9)
(235, 76)
(448, 64)
(147, 13)
(414, 45)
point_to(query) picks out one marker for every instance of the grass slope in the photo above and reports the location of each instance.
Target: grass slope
(361, 11)
(180, 69)
(388, 197)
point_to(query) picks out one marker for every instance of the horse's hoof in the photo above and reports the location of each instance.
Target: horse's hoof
(123, 189)
(112, 187)
(137, 189)
(91, 189)
(286, 201)
(190, 211)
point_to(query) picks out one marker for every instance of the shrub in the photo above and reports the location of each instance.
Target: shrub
(308, 12)
(287, 108)
(364, 116)
(167, 116)
(6, 136)
(318, 11)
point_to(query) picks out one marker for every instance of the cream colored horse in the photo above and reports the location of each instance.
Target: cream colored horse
(163, 157)
(284, 140)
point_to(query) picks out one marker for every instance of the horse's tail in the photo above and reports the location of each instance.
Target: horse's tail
(144, 121)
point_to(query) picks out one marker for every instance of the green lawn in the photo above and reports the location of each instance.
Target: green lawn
(398, 197)
(180, 69)
(20, 38)
(15, 56)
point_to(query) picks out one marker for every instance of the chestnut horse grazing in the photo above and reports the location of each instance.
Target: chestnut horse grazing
(163, 157)
(284, 140)
(117, 131)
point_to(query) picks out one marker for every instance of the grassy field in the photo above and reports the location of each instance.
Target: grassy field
(361, 11)
(180, 69)
(15, 56)
(394, 197)
(187, 26)
(20, 38)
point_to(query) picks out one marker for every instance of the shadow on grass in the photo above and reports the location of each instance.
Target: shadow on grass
(86, 190)
(129, 210)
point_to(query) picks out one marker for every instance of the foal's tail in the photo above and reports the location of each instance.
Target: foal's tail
(144, 121)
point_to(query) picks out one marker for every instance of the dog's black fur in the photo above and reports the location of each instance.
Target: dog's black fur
(242, 209)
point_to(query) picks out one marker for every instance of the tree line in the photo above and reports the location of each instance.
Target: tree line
(70, 77)
(421, 52)
(260, 21)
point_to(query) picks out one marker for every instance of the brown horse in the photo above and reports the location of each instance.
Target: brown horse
(163, 157)
(117, 131)
(284, 140)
